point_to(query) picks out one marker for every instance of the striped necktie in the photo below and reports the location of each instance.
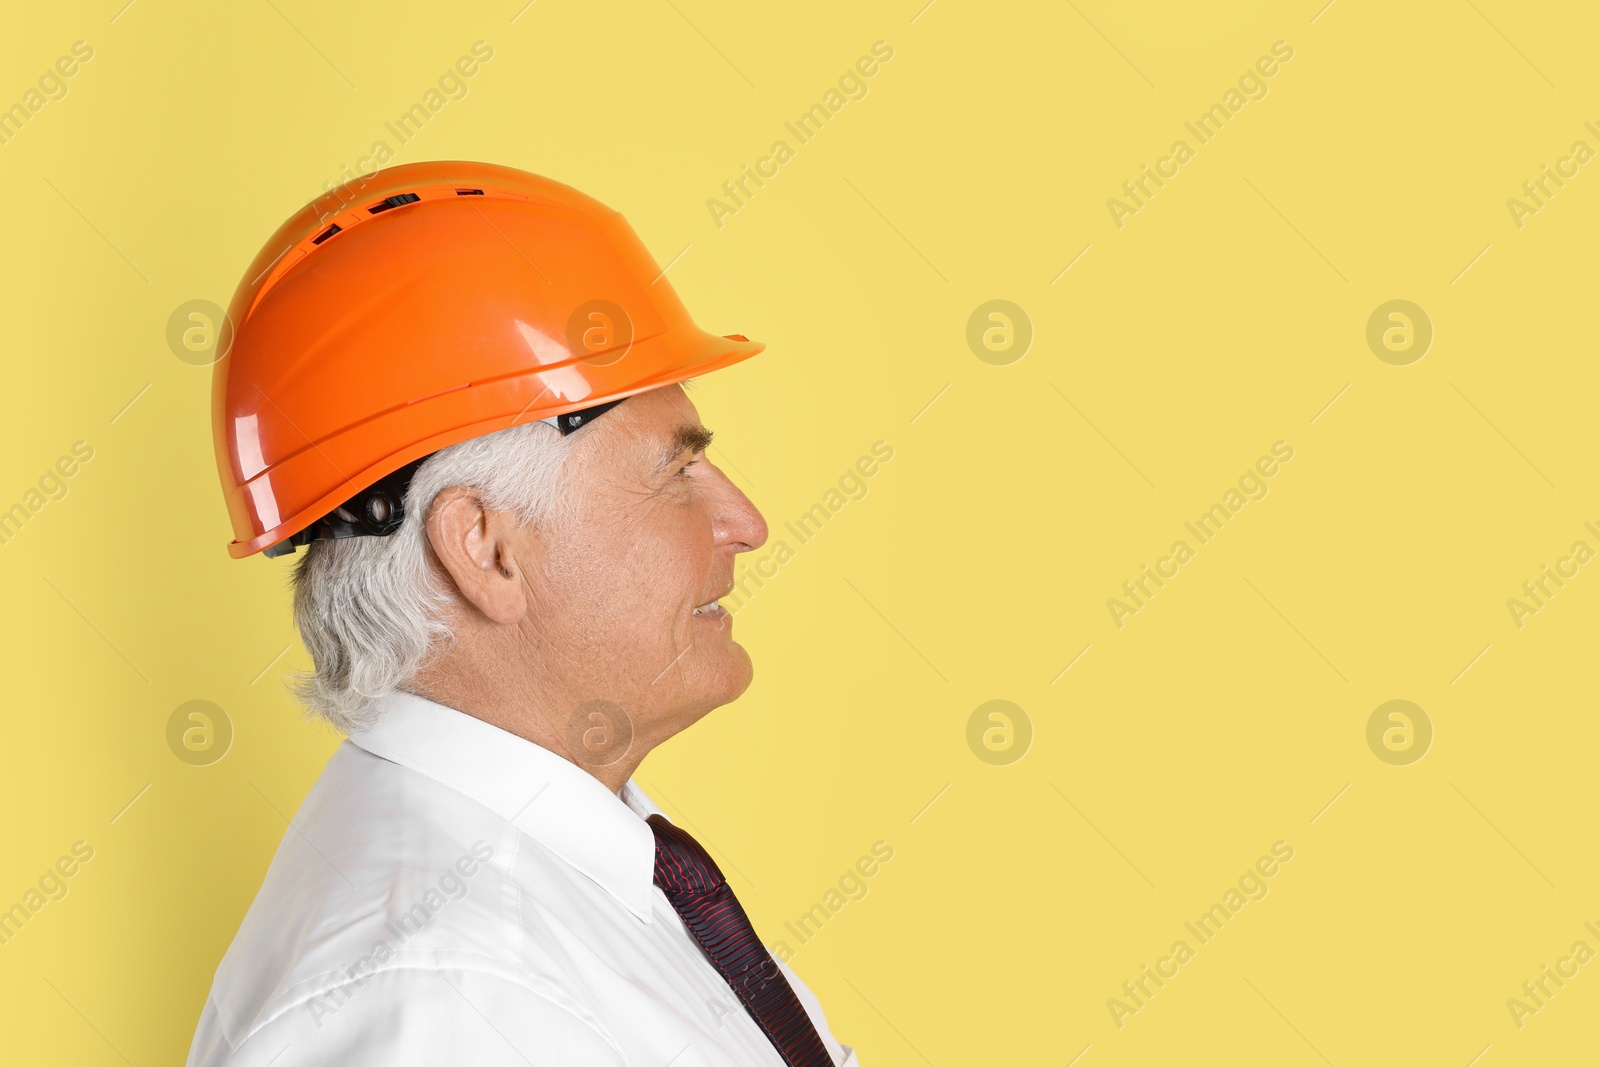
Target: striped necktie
(699, 893)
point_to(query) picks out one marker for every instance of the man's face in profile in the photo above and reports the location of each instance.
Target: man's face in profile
(613, 592)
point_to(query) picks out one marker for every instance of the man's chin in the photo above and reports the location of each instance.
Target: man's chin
(734, 679)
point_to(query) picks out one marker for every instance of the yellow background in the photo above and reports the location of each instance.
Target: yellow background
(1228, 714)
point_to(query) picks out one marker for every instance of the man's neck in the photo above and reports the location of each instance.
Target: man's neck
(489, 697)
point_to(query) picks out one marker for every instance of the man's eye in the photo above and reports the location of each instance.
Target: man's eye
(685, 468)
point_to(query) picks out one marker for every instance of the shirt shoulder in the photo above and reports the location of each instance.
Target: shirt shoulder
(408, 1016)
(385, 877)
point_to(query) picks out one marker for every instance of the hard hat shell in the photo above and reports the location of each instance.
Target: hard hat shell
(421, 306)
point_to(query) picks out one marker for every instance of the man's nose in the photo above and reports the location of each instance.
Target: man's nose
(739, 521)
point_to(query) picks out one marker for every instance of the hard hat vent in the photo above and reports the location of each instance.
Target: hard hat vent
(325, 234)
(393, 201)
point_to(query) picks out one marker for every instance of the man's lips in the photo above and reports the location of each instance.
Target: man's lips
(711, 607)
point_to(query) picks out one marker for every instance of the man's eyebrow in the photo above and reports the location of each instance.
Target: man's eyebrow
(686, 438)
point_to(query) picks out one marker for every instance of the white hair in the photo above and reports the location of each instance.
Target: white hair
(370, 609)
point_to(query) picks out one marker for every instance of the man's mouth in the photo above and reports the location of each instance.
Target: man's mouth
(711, 609)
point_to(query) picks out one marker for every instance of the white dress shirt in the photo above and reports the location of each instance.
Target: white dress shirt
(450, 893)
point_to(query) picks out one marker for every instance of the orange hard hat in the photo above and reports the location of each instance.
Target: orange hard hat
(417, 307)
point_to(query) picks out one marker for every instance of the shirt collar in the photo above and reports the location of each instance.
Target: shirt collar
(554, 801)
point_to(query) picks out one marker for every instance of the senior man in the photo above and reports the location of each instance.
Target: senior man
(458, 387)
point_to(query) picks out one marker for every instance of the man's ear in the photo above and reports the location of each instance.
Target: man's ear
(474, 545)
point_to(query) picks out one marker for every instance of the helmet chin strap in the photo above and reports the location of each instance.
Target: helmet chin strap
(379, 509)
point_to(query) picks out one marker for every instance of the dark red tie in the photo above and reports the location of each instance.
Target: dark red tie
(700, 895)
